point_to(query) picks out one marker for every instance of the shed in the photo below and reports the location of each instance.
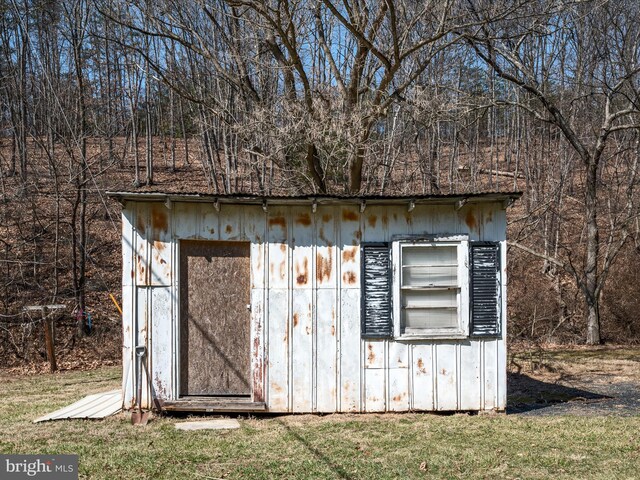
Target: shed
(315, 303)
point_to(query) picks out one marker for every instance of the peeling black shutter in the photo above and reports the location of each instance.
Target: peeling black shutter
(376, 290)
(485, 289)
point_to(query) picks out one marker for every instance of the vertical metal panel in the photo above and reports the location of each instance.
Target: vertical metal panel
(230, 222)
(349, 289)
(375, 375)
(374, 354)
(325, 242)
(254, 228)
(470, 385)
(208, 226)
(159, 238)
(326, 348)
(278, 248)
(302, 351)
(302, 333)
(128, 248)
(143, 295)
(278, 350)
(398, 353)
(278, 310)
(375, 224)
(374, 400)
(350, 370)
(143, 230)
(326, 310)
(398, 390)
(258, 363)
(422, 375)
(446, 376)
(128, 304)
(187, 218)
(350, 236)
(161, 342)
(489, 373)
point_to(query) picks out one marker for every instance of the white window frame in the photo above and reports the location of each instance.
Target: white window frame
(461, 242)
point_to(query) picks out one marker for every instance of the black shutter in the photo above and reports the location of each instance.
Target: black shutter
(376, 290)
(485, 289)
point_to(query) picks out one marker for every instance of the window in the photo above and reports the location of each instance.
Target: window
(417, 288)
(430, 283)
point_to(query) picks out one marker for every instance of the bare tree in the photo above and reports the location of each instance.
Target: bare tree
(579, 68)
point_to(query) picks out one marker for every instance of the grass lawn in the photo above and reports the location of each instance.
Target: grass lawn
(307, 446)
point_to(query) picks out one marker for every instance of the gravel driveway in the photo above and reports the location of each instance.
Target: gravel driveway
(600, 382)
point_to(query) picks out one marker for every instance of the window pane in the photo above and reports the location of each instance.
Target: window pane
(429, 255)
(429, 298)
(415, 276)
(425, 318)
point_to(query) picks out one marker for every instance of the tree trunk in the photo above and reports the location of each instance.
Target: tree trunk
(315, 168)
(592, 292)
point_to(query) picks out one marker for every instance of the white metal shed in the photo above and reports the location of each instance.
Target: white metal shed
(315, 303)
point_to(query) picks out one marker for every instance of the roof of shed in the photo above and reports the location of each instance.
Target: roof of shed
(320, 199)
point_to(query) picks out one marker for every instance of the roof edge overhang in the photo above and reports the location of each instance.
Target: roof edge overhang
(458, 200)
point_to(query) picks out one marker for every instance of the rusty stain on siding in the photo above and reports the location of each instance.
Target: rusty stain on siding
(228, 229)
(302, 274)
(304, 219)
(349, 255)
(385, 220)
(372, 356)
(326, 217)
(140, 225)
(349, 278)
(159, 220)
(279, 221)
(421, 369)
(324, 238)
(470, 220)
(408, 218)
(258, 395)
(373, 219)
(349, 216)
(324, 265)
(295, 320)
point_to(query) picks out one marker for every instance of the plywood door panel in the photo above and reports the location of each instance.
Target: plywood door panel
(214, 318)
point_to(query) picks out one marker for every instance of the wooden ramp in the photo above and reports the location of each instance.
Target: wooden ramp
(98, 405)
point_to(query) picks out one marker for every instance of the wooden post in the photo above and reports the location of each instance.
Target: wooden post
(49, 333)
(49, 339)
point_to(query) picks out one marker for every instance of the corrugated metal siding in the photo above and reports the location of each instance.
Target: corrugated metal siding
(307, 354)
(98, 405)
